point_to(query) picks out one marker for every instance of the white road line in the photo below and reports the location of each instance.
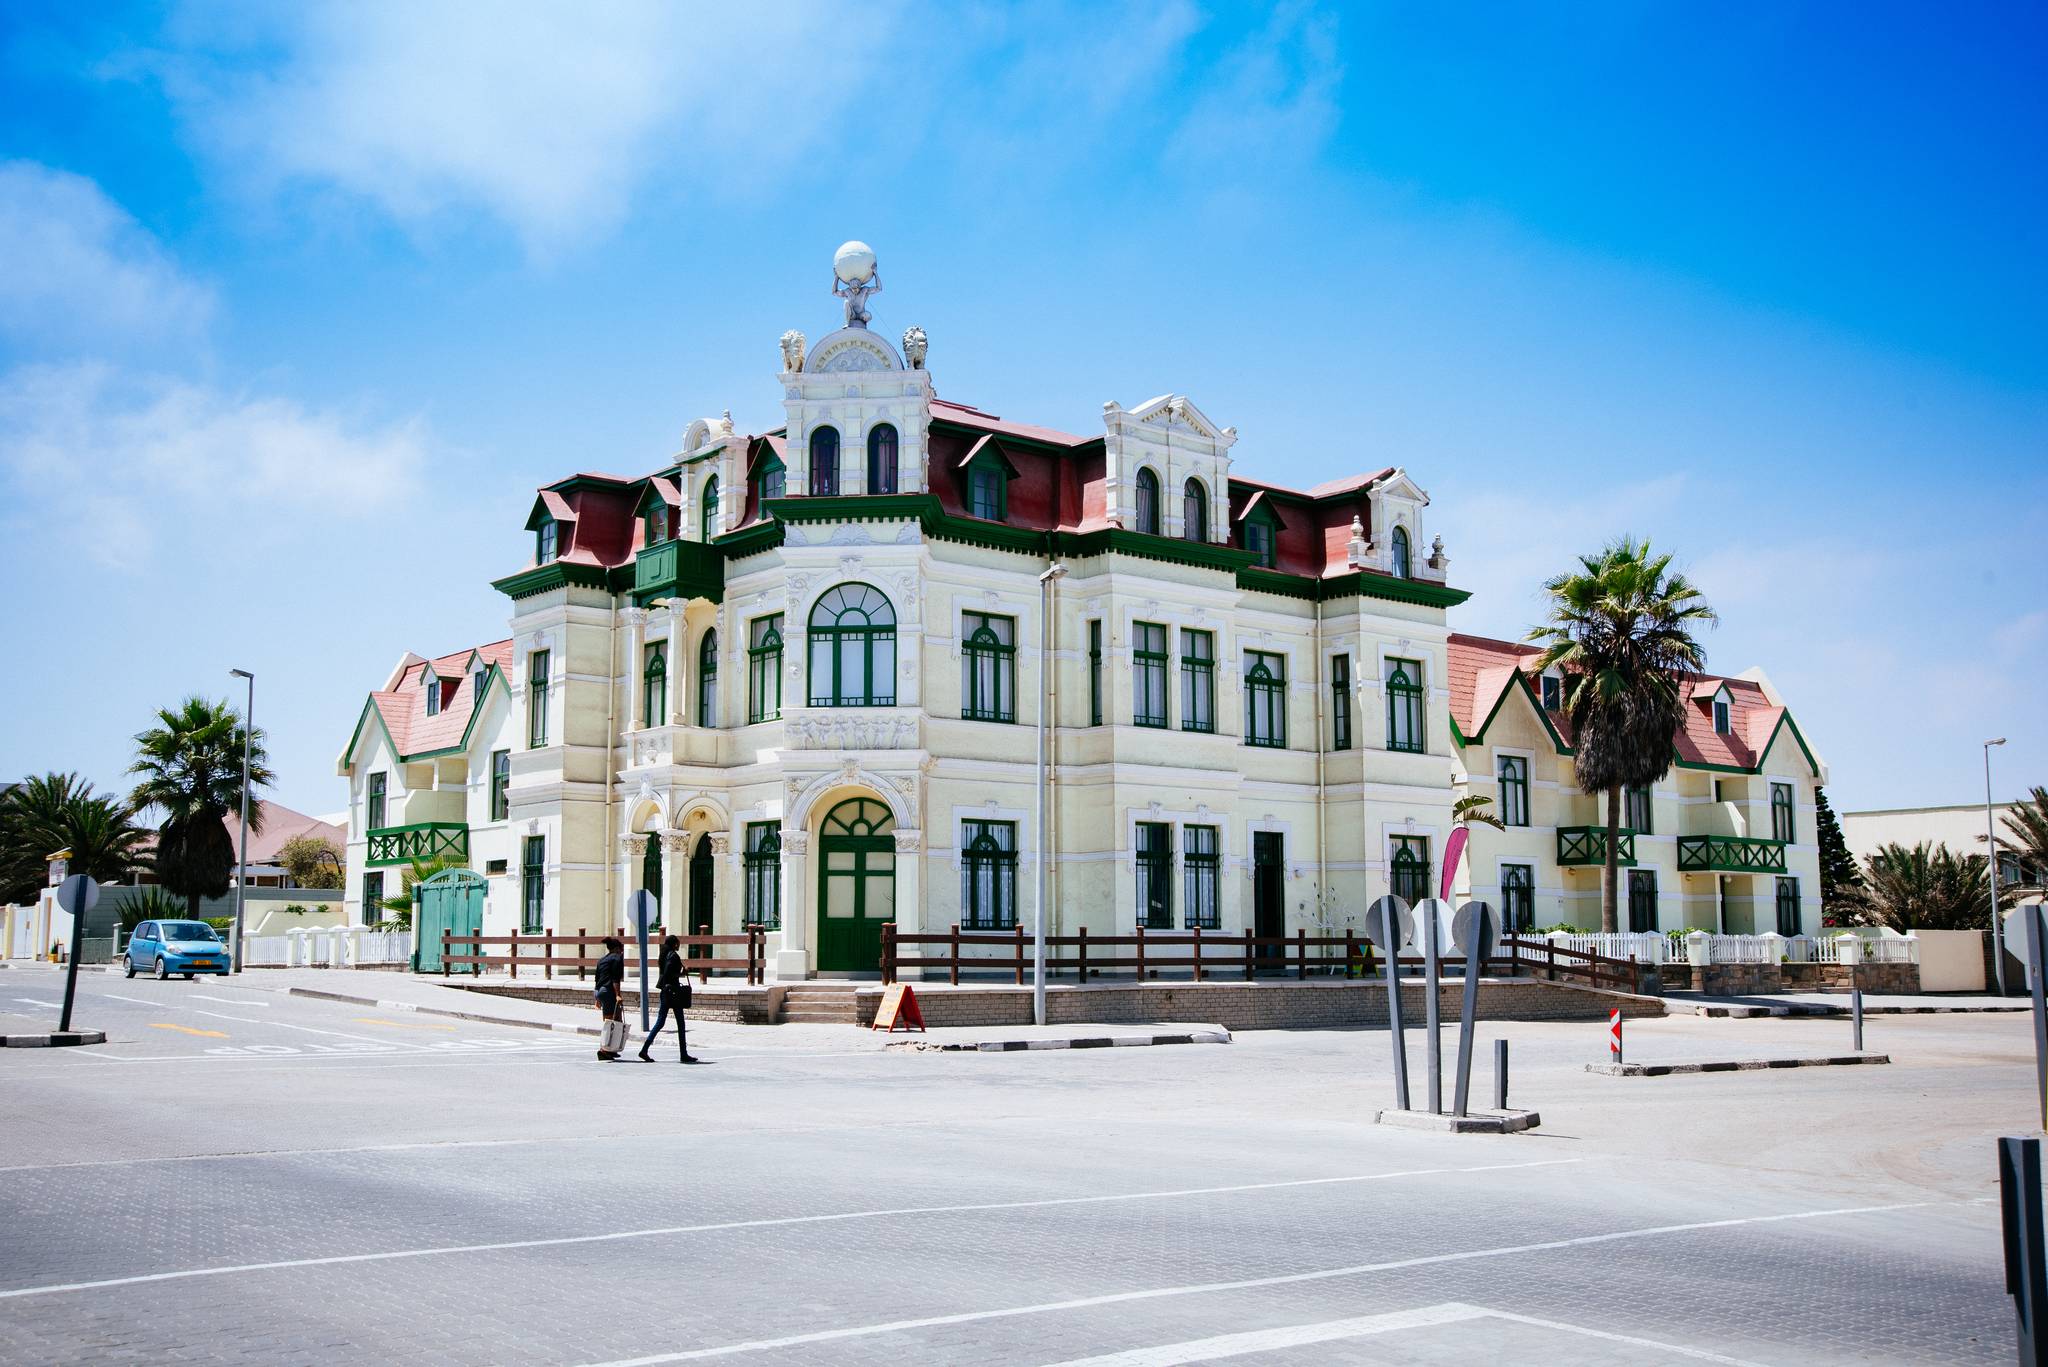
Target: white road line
(774, 1222)
(1629, 1339)
(139, 1001)
(39, 1001)
(1248, 1284)
(311, 1030)
(233, 1001)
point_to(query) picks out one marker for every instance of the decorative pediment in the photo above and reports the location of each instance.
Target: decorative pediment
(1177, 413)
(851, 349)
(1398, 485)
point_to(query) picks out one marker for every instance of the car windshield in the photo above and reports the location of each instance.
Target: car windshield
(188, 930)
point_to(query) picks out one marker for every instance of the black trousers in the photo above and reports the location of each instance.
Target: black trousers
(670, 1001)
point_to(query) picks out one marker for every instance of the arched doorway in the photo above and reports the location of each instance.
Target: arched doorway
(856, 885)
(701, 884)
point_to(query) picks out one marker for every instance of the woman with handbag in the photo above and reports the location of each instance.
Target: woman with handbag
(675, 996)
(611, 975)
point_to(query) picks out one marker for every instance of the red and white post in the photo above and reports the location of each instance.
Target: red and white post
(1614, 1033)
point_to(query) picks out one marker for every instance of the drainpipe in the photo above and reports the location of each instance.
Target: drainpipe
(1322, 852)
(1053, 573)
(611, 756)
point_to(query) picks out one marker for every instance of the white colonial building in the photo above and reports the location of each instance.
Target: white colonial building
(797, 679)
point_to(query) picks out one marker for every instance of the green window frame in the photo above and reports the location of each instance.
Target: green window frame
(772, 479)
(988, 491)
(1148, 674)
(537, 700)
(1788, 906)
(1201, 878)
(546, 541)
(988, 657)
(654, 685)
(1723, 724)
(988, 875)
(707, 679)
(882, 459)
(1553, 693)
(1197, 680)
(1148, 502)
(1513, 773)
(707, 516)
(1155, 875)
(373, 802)
(1517, 897)
(533, 885)
(764, 669)
(476, 692)
(1783, 819)
(1265, 699)
(1260, 539)
(501, 784)
(1636, 812)
(656, 523)
(763, 861)
(1340, 702)
(1408, 871)
(824, 462)
(373, 897)
(1642, 900)
(1400, 557)
(852, 648)
(1404, 707)
(1095, 672)
(431, 686)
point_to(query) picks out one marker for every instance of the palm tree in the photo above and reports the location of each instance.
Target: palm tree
(1473, 808)
(191, 771)
(52, 812)
(1927, 887)
(2026, 840)
(1620, 629)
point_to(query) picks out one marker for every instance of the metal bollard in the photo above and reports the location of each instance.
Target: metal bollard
(1856, 1016)
(1614, 1033)
(1500, 1075)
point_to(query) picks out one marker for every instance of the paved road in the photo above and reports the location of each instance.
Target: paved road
(403, 1188)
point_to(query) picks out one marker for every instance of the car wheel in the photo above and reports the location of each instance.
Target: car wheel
(163, 972)
(131, 965)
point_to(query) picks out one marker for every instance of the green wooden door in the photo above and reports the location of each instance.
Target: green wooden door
(856, 885)
(452, 900)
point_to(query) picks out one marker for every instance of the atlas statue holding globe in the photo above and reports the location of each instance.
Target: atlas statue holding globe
(854, 279)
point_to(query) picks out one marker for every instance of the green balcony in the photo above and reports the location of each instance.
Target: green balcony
(1730, 854)
(678, 569)
(423, 840)
(1580, 846)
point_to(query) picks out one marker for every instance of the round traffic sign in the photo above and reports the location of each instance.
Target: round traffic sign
(1476, 920)
(78, 894)
(642, 907)
(1376, 922)
(1438, 912)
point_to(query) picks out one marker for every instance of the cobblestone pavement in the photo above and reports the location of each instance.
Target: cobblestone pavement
(241, 1175)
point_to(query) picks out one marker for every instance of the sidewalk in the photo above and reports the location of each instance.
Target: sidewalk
(1835, 1004)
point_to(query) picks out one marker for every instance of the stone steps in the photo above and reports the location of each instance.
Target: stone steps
(817, 1004)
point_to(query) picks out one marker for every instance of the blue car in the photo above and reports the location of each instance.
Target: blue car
(167, 947)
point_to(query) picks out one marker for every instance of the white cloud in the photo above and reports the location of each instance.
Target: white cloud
(547, 117)
(1272, 97)
(81, 273)
(102, 458)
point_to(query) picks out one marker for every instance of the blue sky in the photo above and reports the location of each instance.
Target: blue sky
(299, 303)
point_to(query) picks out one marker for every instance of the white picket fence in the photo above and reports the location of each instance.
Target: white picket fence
(1701, 947)
(329, 947)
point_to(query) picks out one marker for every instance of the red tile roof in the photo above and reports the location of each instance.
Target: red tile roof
(403, 707)
(989, 422)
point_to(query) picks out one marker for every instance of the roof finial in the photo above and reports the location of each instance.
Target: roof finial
(854, 279)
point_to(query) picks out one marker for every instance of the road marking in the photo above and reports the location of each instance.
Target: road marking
(233, 1001)
(403, 1025)
(1248, 1284)
(187, 1030)
(776, 1222)
(1328, 1331)
(311, 1030)
(38, 1001)
(140, 1001)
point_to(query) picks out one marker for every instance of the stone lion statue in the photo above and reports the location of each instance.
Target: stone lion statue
(792, 350)
(914, 347)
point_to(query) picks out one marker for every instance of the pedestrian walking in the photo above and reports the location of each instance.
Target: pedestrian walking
(675, 997)
(611, 974)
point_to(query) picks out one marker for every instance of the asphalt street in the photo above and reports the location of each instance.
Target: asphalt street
(243, 1175)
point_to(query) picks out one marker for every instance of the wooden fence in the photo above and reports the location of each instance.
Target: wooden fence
(1210, 953)
(550, 952)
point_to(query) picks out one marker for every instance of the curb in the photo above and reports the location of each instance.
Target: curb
(1010, 1046)
(1732, 1065)
(1835, 1012)
(1476, 1122)
(56, 1039)
(416, 1009)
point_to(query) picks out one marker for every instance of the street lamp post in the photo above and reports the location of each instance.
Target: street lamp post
(1991, 853)
(1046, 580)
(242, 860)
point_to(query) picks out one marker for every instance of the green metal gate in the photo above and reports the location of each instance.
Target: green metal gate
(452, 900)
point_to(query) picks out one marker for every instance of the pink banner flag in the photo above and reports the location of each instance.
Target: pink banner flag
(1454, 850)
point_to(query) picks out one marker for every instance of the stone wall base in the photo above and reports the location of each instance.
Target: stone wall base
(1752, 980)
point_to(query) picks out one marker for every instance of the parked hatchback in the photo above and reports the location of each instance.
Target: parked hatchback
(167, 947)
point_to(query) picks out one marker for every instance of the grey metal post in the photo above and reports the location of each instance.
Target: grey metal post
(2034, 977)
(1856, 1016)
(1432, 1011)
(242, 861)
(1991, 853)
(1045, 667)
(1468, 1023)
(1393, 931)
(2026, 1261)
(1500, 1075)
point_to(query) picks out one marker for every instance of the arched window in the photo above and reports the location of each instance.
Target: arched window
(707, 680)
(1194, 511)
(825, 461)
(853, 648)
(1148, 502)
(654, 685)
(1400, 552)
(881, 459)
(710, 513)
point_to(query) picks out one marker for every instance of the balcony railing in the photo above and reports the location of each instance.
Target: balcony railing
(423, 840)
(1578, 846)
(1730, 854)
(678, 569)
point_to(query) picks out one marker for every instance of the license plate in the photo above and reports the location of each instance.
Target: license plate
(202, 963)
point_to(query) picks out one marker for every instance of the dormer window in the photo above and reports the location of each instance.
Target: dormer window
(1260, 540)
(1400, 555)
(987, 494)
(1722, 723)
(544, 543)
(432, 687)
(772, 479)
(1148, 503)
(1553, 693)
(476, 691)
(657, 522)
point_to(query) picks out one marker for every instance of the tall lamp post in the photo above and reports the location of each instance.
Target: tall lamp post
(242, 861)
(1052, 575)
(1991, 853)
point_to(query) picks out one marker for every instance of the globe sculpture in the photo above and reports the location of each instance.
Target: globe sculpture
(854, 279)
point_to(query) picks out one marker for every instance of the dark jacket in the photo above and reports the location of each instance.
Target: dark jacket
(611, 971)
(671, 970)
